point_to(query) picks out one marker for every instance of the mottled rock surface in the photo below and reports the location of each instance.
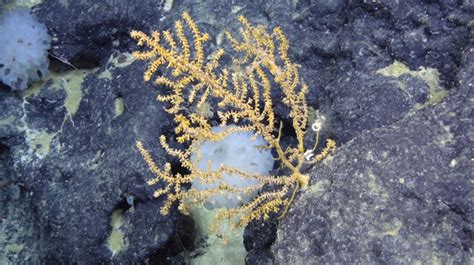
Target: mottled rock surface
(393, 79)
(397, 194)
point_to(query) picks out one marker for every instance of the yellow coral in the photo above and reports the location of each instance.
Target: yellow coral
(243, 92)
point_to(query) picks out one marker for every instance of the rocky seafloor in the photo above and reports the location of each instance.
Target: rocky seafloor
(394, 80)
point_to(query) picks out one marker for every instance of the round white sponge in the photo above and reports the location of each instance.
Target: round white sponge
(241, 151)
(23, 50)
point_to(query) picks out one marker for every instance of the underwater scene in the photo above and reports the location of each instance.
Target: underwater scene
(236, 132)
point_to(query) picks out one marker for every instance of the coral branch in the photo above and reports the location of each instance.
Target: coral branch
(243, 93)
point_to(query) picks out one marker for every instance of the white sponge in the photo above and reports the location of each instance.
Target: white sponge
(24, 44)
(240, 151)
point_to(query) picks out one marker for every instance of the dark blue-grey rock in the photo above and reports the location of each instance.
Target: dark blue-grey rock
(397, 194)
(365, 100)
(84, 33)
(71, 148)
(431, 33)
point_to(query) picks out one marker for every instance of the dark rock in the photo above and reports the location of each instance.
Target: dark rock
(75, 136)
(259, 235)
(363, 100)
(85, 33)
(400, 193)
(259, 257)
